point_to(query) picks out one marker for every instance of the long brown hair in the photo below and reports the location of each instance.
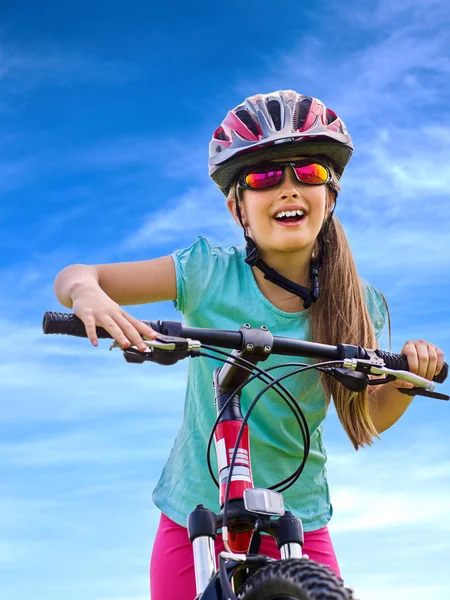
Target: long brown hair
(340, 316)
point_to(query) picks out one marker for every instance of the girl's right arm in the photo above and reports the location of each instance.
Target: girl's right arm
(96, 293)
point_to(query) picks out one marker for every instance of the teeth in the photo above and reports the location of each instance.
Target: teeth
(289, 213)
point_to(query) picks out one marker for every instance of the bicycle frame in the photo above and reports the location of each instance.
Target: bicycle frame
(241, 522)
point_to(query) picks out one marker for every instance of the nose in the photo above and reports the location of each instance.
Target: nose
(289, 185)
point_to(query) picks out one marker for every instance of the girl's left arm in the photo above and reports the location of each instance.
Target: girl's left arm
(387, 403)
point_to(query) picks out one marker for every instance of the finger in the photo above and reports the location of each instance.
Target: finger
(91, 330)
(432, 362)
(131, 332)
(409, 350)
(398, 383)
(143, 329)
(114, 329)
(440, 360)
(423, 357)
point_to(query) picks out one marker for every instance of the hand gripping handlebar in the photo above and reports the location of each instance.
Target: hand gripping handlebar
(70, 324)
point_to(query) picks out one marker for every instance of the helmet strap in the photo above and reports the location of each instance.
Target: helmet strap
(322, 238)
(308, 295)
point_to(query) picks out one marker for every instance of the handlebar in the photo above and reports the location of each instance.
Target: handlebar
(70, 324)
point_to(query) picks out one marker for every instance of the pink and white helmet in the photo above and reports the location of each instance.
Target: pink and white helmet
(282, 124)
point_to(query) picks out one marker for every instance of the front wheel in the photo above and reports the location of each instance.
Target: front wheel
(294, 579)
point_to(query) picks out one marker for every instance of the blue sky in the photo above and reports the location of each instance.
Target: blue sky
(105, 118)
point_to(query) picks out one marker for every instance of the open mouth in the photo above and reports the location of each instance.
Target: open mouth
(290, 216)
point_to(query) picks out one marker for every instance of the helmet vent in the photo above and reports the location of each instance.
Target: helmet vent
(301, 112)
(249, 121)
(220, 134)
(331, 116)
(273, 106)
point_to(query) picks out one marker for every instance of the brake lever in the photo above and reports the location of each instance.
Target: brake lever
(352, 380)
(162, 357)
(164, 350)
(166, 343)
(366, 366)
(416, 391)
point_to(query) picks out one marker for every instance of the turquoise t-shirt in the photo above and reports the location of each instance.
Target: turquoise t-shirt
(217, 289)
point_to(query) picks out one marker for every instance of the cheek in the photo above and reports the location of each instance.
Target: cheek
(319, 208)
(253, 210)
(321, 213)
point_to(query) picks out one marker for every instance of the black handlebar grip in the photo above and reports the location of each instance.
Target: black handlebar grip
(442, 375)
(400, 362)
(68, 324)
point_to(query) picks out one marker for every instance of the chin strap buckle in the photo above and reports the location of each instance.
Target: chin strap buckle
(252, 252)
(308, 295)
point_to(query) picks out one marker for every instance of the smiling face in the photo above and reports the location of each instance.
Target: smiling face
(286, 218)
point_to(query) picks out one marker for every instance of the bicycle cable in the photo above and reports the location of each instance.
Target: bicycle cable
(273, 383)
(289, 399)
(241, 431)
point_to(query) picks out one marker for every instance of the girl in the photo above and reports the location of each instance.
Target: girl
(278, 159)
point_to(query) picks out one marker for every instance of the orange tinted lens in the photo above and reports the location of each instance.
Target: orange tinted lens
(311, 173)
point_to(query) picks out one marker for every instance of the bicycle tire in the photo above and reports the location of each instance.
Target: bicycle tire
(294, 579)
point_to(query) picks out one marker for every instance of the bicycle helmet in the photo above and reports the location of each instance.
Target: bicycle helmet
(281, 124)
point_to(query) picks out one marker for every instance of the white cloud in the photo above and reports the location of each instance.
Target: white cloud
(391, 249)
(81, 390)
(13, 173)
(359, 509)
(39, 382)
(392, 487)
(434, 12)
(93, 445)
(17, 552)
(395, 70)
(395, 591)
(390, 523)
(403, 167)
(124, 152)
(366, 84)
(22, 67)
(380, 69)
(201, 210)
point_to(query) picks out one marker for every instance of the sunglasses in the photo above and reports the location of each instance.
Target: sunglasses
(265, 176)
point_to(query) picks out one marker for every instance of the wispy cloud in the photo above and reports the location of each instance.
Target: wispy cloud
(13, 174)
(198, 211)
(402, 250)
(391, 475)
(360, 509)
(377, 587)
(22, 68)
(402, 165)
(383, 73)
(94, 382)
(392, 494)
(15, 552)
(92, 445)
(416, 12)
(81, 391)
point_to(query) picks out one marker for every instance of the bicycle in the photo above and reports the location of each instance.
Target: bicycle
(246, 512)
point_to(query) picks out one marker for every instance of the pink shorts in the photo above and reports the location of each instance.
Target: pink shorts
(172, 566)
